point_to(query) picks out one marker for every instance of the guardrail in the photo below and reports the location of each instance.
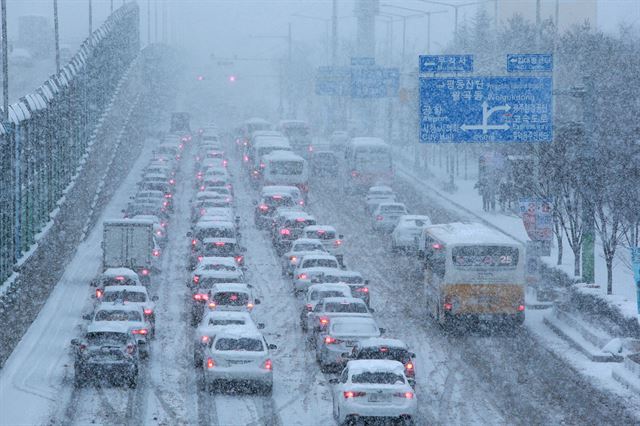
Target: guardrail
(43, 144)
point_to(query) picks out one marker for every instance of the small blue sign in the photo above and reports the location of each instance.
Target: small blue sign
(635, 264)
(363, 62)
(530, 62)
(333, 81)
(446, 63)
(486, 109)
(374, 82)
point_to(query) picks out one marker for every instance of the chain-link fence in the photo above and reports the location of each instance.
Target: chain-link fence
(44, 142)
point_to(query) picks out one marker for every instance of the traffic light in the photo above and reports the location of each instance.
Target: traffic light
(200, 77)
(232, 78)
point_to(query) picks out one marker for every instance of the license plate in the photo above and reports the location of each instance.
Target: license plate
(377, 397)
(485, 317)
(236, 362)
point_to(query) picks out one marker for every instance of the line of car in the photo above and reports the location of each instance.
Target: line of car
(377, 374)
(117, 336)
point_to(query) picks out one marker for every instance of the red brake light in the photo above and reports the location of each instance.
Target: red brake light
(267, 365)
(354, 173)
(98, 294)
(436, 246)
(245, 158)
(141, 331)
(448, 306)
(337, 243)
(200, 296)
(379, 217)
(194, 242)
(196, 279)
(302, 276)
(212, 305)
(352, 394)
(300, 219)
(263, 207)
(219, 243)
(409, 366)
(520, 308)
(408, 395)
(239, 259)
(148, 311)
(233, 297)
(200, 258)
(363, 289)
(168, 195)
(285, 232)
(210, 363)
(329, 340)
(155, 253)
(309, 307)
(249, 306)
(204, 339)
(119, 278)
(224, 163)
(145, 272)
(262, 165)
(277, 197)
(172, 182)
(324, 320)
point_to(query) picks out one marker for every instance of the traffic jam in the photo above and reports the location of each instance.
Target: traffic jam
(371, 373)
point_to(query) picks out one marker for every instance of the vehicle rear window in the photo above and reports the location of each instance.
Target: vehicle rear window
(231, 298)
(377, 377)
(209, 282)
(383, 352)
(286, 167)
(484, 256)
(320, 263)
(392, 209)
(300, 224)
(218, 267)
(356, 308)
(317, 295)
(278, 201)
(321, 234)
(419, 222)
(117, 315)
(215, 155)
(213, 249)
(126, 296)
(118, 281)
(214, 233)
(226, 322)
(106, 337)
(307, 247)
(354, 328)
(242, 344)
(155, 186)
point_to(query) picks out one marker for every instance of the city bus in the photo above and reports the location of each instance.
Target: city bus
(367, 162)
(472, 273)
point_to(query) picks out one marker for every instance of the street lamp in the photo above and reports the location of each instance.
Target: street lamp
(403, 18)
(428, 15)
(456, 7)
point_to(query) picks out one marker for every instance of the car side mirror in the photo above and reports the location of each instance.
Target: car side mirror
(334, 381)
(412, 354)
(75, 342)
(155, 298)
(341, 236)
(366, 282)
(87, 317)
(256, 302)
(260, 326)
(189, 234)
(243, 249)
(383, 330)
(272, 347)
(94, 283)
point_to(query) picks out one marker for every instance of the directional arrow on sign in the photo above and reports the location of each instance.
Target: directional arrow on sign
(486, 113)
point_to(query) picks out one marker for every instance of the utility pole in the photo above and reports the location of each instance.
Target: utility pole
(56, 34)
(148, 21)
(164, 22)
(334, 33)
(111, 7)
(90, 19)
(5, 63)
(588, 220)
(155, 21)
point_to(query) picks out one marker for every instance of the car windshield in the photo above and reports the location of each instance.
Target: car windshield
(230, 298)
(117, 315)
(378, 378)
(357, 308)
(241, 344)
(125, 296)
(320, 263)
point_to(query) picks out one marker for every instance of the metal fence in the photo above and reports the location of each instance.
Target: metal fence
(48, 132)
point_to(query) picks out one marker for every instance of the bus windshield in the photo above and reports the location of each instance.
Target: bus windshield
(468, 257)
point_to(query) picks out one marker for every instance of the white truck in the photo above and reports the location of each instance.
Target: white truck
(129, 243)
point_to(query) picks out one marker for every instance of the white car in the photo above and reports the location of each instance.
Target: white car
(406, 233)
(385, 217)
(115, 276)
(334, 346)
(373, 389)
(210, 268)
(331, 240)
(330, 308)
(232, 297)
(214, 321)
(133, 295)
(300, 248)
(240, 354)
(129, 315)
(316, 293)
(306, 269)
(377, 195)
(359, 286)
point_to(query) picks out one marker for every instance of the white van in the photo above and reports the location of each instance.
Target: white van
(285, 168)
(262, 146)
(367, 163)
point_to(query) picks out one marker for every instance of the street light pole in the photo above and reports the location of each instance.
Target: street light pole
(334, 33)
(56, 34)
(90, 19)
(5, 63)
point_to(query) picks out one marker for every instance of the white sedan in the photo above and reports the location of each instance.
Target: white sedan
(373, 390)
(406, 233)
(385, 217)
(300, 248)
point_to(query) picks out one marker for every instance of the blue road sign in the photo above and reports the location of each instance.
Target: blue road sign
(374, 82)
(363, 62)
(530, 62)
(486, 109)
(446, 63)
(333, 81)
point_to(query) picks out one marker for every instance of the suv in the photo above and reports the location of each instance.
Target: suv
(107, 350)
(331, 241)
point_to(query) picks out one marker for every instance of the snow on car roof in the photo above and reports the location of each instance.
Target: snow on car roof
(209, 224)
(125, 272)
(415, 217)
(382, 341)
(218, 239)
(468, 233)
(329, 287)
(127, 221)
(343, 300)
(317, 270)
(295, 214)
(319, 256)
(391, 204)
(238, 332)
(306, 241)
(217, 260)
(346, 273)
(256, 120)
(147, 192)
(235, 287)
(381, 188)
(236, 273)
(269, 189)
(328, 228)
(118, 306)
(374, 365)
(229, 315)
(272, 141)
